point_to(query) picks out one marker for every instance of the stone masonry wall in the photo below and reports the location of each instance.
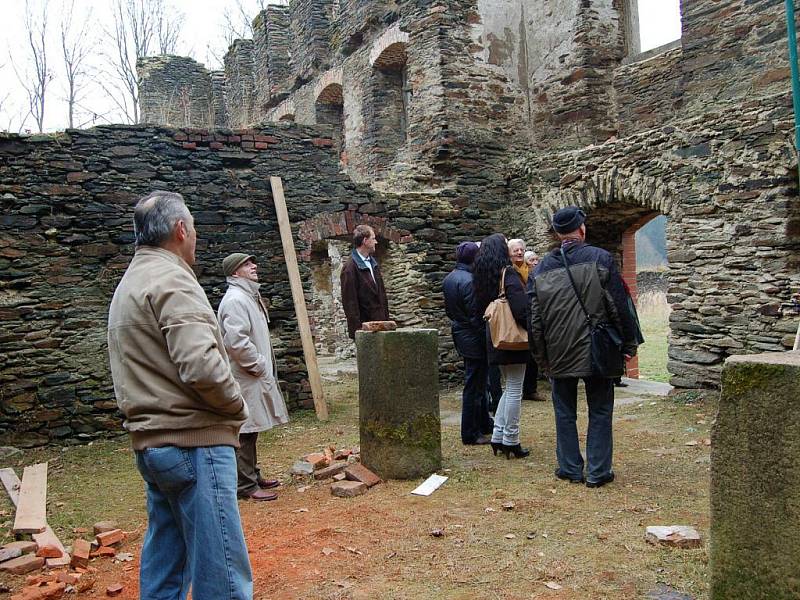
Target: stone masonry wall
(727, 183)
(175, 91)
(240, 84)
(272, 70)
(66, 234)
(310, 45)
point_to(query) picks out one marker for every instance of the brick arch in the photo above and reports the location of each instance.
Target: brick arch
(341, 224)
(389, 50)
(328, 90)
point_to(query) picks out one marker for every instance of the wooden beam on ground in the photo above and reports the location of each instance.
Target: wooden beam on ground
(11, 482)
(299, 299)
(49, 538)
(32, 503)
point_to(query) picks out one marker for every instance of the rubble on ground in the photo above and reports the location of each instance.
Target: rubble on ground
(342, 466)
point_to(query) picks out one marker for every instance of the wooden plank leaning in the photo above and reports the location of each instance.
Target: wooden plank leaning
(299, 299)
(32, 502)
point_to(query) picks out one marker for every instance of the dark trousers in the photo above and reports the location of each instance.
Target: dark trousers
(599, 440)
(495, 385)
(247, 464)
(475, 419)
(531, 379)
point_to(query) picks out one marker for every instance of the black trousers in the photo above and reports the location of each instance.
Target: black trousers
(531, 379)
(475, 419)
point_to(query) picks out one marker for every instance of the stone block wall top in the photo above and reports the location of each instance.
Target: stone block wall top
(755, 479)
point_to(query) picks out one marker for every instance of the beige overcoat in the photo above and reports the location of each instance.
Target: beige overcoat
(243, 321)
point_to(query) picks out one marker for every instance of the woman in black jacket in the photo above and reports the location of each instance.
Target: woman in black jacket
(491, 263)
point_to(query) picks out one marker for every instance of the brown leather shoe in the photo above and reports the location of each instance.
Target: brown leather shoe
(260, 495)
(267, 484)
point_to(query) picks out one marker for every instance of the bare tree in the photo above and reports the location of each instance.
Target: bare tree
(141, 28)
(75, 48)
(35, 77)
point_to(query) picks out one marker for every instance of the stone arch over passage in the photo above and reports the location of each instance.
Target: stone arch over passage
(386, 108)
(618, 205)
(329, 107)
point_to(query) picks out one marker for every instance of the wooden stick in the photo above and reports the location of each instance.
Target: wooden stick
(797, 339)
(32, 503)
(299, 299)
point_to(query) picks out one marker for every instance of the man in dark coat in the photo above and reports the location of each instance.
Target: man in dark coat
(363, 293)
(561, 343)
(470, 340)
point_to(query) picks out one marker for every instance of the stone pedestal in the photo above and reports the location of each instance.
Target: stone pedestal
(755, 479)
(398, 392)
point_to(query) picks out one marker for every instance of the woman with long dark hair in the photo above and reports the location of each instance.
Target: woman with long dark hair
(491, 264)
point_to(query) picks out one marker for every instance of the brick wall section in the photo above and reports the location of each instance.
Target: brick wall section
(240, 84)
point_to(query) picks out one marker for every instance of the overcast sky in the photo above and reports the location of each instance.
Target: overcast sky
(201, 37)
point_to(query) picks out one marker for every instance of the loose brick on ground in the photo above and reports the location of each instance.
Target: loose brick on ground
(358, 472)
(103, 526)
(22, 564)
(81, 549)
(348, 489)
(110, 538)
(330, 471)
(115, 589)
(26, 546)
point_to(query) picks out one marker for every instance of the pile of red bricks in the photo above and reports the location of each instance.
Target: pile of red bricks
(23, 557)
(349, 477)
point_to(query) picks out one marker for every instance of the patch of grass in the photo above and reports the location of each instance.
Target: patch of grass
(654, 320)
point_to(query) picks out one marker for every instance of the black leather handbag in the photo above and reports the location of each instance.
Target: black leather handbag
(606, 342)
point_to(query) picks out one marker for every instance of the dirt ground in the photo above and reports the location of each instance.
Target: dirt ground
(559, 540)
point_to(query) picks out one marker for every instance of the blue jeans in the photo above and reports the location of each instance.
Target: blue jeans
(475, 419)
(506, 418)
(599, 440)
(194, 533)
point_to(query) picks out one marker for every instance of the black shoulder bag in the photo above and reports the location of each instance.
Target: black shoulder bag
(606, 342)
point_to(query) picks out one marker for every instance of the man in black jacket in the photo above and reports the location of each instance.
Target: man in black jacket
(560, 342)
(470, 340)
(363, 292)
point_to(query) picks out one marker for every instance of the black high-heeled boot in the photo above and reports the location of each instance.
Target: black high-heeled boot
(498, 447)
(518, 451)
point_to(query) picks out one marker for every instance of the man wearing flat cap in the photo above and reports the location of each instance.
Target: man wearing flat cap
(561, 343)
(469, 337)
(244, 320)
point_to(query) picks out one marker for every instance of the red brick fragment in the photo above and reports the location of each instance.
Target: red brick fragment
(49, 551)
(318, 460)
(109, 538)
(22, 564)
(101, 527)
(216, 145)
(358, 472)
(46, 592)
(379, 326)
(261, 145)
(189, 146)
(104, 551)
(80, 553)
(322, 142)
(180, 137)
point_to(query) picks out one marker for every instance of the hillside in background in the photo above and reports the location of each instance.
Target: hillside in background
(651, 245)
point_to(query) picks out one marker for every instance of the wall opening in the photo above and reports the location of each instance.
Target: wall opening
(651, 24)
(329, 109)
(391, 96)
(636, 236)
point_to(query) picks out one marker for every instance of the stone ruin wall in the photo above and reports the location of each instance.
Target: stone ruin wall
(66, 238)
(710, 147)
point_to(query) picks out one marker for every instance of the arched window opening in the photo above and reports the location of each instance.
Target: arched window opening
(391, 99)
(330, 111)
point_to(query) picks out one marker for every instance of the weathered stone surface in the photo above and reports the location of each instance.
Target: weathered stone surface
(399, 402)
(676, 536)
(755, 480)
(302, 467)
(25, 546)
(348, 489)
(9, 553)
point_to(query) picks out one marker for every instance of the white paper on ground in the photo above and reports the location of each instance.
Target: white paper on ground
(430, 485)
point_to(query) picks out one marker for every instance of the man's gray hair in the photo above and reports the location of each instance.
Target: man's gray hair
(155, 216)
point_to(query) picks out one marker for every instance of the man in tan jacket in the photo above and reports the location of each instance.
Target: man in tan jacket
(183, 410)
(244, 323)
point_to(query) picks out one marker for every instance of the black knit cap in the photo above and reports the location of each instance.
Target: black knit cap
(466, 252)
(567, 220)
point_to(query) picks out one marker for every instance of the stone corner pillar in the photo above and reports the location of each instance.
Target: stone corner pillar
(755, 479)
(398, 397)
